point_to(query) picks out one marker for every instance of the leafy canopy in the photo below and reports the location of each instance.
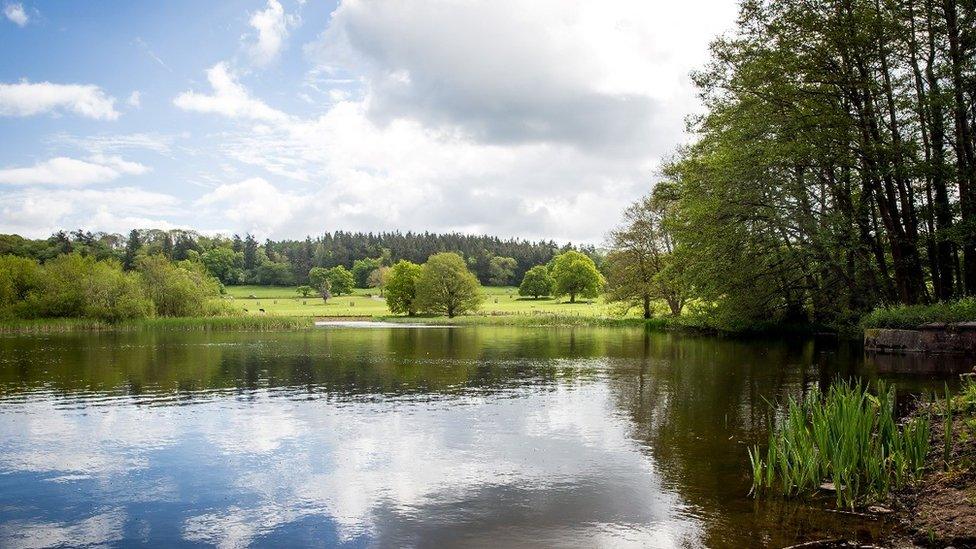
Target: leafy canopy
(446, 286)
(575, 274)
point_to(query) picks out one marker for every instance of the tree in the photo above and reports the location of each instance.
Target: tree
(641, 259)
(305, 290)
(324, 290)
(536, 282)
(446, 286)
(501, 270)
(224, 263)
(361, 269)
(341, 280)
(19, 276)
(378, 278)
(132, 246)
(317, 276)
(177, 289)
(250, 252)
(273, 273)
(183, 246)
(575, 274)
(401, 287)
(167, 245)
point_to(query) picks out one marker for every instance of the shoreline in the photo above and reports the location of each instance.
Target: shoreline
(273, 322)
(939, 510)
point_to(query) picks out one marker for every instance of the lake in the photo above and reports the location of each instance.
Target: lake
(391, 437)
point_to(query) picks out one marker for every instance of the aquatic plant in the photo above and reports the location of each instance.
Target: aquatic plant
(847, 441)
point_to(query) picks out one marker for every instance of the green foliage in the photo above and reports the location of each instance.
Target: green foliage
(446, 286)
(341, 280)
(847, 437)
(641, 266)
(305, 291)
(401, 287)
(317, 276)
(132, 246)
(912, 316)
(177, 289)
(83, 287)
(537, 282)
(225, 264)
(361, 269)
(18, 278)
(273, 273)
(576, 275)
(501, 270)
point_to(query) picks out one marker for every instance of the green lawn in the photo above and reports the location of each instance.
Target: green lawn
(284, 300)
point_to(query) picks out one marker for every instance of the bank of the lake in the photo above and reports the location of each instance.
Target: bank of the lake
(939, 510)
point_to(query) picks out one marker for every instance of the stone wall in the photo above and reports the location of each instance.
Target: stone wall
(935, 338)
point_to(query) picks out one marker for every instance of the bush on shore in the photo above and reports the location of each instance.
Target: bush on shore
(76, 286)
(912, 316)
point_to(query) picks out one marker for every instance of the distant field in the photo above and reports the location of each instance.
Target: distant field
(284, 300)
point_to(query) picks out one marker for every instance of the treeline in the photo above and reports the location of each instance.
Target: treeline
(834, 169)
(81, 286)
(245, 260)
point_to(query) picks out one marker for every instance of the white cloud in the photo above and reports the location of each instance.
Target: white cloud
(39, 212)
(440, 116)
(135, 99)
(229, 98)
(253, 204)
(27, 99)
(272, 26)
(609, 77)
(100, 144)
(71, 171)
(16, 13)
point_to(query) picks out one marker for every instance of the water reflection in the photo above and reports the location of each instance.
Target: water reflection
(399, 437)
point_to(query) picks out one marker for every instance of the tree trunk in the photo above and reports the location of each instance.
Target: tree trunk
(965, 155)
(647, 306)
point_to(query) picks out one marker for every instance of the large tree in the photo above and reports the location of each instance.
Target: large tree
(401, 287)
(537, 282)
(641, 264)
(831, 170)
(446, 286)
(576, 275)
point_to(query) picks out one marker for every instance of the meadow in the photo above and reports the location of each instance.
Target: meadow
(499, 301)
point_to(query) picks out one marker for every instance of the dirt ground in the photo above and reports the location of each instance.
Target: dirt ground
(940, 510)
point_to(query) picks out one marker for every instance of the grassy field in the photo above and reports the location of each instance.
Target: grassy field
(285, 301)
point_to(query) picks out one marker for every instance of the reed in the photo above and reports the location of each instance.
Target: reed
(205, 323)
(848, 438)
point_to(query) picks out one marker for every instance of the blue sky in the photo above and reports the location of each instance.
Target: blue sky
(538, 120)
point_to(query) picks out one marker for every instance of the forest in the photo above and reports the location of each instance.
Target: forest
(245, 260)
(833, 170)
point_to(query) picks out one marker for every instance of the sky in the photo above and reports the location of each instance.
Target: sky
(283, 118)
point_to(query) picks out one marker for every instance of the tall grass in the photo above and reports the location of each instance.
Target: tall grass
(847, 437)
(912, 316)
(208, 323)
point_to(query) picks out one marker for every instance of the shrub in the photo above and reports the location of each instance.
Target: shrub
(912, 316)
(18, 277)
(177, 289)
(75, 286)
